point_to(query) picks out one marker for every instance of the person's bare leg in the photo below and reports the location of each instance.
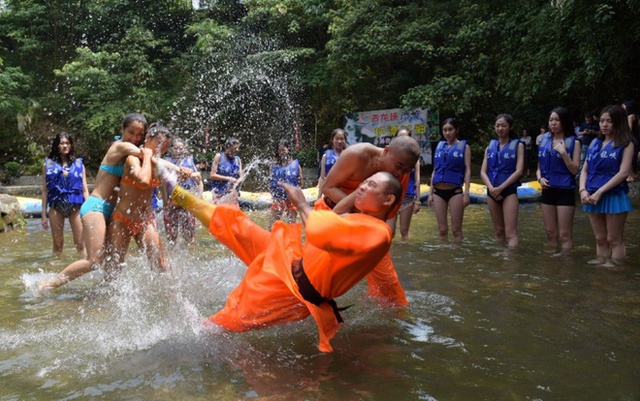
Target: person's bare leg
(94, 232)
(56, 221)
(76, 229)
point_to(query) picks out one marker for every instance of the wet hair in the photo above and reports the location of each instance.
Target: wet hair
(276, 153)
(181, 141)
(406, 145)
(333, 135)
(133, 117)
(230, 142)
(156, 129)
(566, 121)
(621, 131)
(509, 119)
(54, 154)
(452, 122)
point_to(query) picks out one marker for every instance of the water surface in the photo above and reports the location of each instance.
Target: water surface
(483, 324)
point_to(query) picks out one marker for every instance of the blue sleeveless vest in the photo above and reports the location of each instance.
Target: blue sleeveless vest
(227, 168)
(288, 174)
(603, 164)
(449, 163)
(411, 189)
(329, 160)
(186, 162)
(552, 167)
(64, 189)
(502, 163)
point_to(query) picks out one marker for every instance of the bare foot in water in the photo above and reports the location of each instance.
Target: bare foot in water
(51, 283)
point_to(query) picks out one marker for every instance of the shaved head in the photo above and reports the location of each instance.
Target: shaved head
(406, 145)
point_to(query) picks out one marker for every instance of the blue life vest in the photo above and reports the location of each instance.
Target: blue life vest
(501, 163)
(552, 166)
(64, 189)
(227, 168)
(186, 162)
(603, 164)
(289, 174)
(330, 159)
(411, 189)
(449, 163)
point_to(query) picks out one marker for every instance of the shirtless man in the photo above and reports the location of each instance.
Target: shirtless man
(285, 280)
(360, 161)
(354, 165)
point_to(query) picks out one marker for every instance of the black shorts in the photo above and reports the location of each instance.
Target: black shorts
(447, 194)
(504, 194)
(559, 196)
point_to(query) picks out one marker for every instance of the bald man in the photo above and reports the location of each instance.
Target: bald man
(355, 164)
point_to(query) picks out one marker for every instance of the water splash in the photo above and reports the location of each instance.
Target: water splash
(245, 91)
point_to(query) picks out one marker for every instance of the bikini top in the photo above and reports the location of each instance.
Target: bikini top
(113, 170)
(137, 185)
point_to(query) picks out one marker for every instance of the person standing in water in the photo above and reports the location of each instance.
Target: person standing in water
(558, 163)
(501, 171)
(226, 170)
(283, 169)
(177, 222)
(451, 170)
(338, 142)
(603, 185)
(410, 200)
(285, 280)
(64, 189)
(97, 209)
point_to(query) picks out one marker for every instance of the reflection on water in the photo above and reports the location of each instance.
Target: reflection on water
(483, 324)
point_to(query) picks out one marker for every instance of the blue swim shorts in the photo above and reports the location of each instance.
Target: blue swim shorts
(95, 204)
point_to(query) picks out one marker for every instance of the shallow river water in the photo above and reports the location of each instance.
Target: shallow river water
(483, 324)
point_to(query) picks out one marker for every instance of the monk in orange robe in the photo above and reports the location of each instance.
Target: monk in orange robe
(355, 164)
(287, 281)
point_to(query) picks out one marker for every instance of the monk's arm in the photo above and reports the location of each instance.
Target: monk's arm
(296, 196)
(348, 164)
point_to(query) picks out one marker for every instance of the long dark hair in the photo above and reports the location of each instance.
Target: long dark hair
(54, 154)
(509, 119)
(565, 121)
(621, 132)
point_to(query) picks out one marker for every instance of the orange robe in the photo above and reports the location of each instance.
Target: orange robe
(383, 279)
(339, 252)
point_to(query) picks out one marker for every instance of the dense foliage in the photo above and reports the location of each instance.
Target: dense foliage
(258, 68)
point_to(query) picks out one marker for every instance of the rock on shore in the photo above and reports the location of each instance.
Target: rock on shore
(9, 212)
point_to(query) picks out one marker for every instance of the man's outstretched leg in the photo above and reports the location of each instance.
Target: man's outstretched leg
(228, 224)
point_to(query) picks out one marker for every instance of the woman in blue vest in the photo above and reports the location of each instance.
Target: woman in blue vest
(558, 164)
(603, 185)
(451, 170)
(337, 143)
(226, 170)
(64, 189)
(283, 169)
(501, 170)
(177, 221)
